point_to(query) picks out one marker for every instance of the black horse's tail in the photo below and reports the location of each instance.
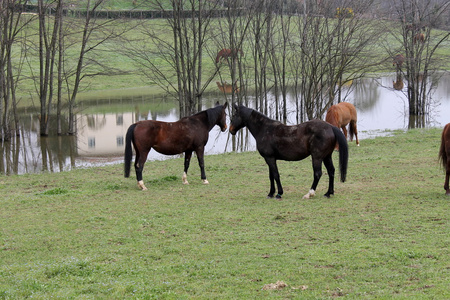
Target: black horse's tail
(442, 153)
(343, 152)
(128, 150)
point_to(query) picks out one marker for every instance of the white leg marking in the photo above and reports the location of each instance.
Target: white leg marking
(310, 194)
(141, 185)
(205, 181)
(185, 178)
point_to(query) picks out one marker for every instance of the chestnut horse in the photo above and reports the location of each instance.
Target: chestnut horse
(228, 53)
(276, 141)
(189, 134)
(444, 155)
(398, 84)
(227, 88)
(342, 114)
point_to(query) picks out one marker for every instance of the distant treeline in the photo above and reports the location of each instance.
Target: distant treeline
(117, 14)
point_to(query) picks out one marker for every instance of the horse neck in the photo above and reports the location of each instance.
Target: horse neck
(256, 121)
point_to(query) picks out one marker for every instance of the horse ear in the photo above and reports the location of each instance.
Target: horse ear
(225, 105)
(217, 103)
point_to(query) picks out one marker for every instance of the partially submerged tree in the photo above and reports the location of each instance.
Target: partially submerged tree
(11, 63)
(418, 41)
(334, 43)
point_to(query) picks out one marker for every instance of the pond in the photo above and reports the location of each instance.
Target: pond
(103, 123)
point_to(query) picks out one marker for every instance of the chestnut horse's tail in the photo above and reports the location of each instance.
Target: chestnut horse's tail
(352, 129)
(343, 152)
(442, 153)
(128, 150)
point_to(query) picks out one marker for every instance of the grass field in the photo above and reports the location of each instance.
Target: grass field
(91, 234)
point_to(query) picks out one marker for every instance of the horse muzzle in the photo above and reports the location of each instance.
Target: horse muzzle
(232, 130)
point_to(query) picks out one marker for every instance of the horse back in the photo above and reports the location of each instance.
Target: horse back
(292, 143)
(171, 138)
(341, 114)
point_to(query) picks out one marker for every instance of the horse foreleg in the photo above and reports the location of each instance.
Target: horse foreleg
(317, 167)
(187, 161)
(201, 163)
(328, 162)
(274, 176)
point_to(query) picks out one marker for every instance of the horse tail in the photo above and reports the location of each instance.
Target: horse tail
(352, 130)
(442, 153)
(343, 152)
(128, 150)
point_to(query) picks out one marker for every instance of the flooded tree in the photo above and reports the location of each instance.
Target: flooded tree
(418, 41)
(170, 52)
(12, 22)
(336, 45)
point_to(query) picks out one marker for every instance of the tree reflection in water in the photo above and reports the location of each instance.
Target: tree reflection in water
(100, 135)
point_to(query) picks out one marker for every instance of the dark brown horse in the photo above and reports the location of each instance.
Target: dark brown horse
(342, 114)
(444, 155)
(228, 53)
(276, 141)
(189, 134)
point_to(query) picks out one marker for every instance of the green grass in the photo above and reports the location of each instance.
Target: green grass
(91, 234)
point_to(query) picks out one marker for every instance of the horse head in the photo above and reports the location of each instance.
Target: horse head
(222, 118)
(239, 118)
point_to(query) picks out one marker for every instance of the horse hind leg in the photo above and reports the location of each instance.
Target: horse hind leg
(139, 167)
(353, 132)
(317, 167)
(187, 161)
(328, 162)
(447, 176)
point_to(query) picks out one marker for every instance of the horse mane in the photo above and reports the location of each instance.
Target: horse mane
(213, 114)
(248, 112)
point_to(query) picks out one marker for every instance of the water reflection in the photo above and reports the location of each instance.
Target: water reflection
(102, 128)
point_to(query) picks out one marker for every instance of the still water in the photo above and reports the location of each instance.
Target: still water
(103, 123)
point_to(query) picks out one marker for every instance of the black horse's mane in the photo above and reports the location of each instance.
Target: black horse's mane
(247, 113)
(213, 114)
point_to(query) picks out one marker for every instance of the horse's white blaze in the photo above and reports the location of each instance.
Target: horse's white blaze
(185, 178)
(205, 181)
(311, 193)
(142, 185)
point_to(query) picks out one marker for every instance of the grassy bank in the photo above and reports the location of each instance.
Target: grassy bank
(92, 234)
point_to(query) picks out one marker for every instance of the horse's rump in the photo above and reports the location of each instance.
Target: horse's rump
(444, 151)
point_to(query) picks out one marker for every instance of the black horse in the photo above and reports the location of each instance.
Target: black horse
(189, 134)
(275, 141)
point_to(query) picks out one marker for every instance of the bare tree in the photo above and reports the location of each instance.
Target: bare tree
(418, 41)
(179, 42)
(334, 43)
(11, 25)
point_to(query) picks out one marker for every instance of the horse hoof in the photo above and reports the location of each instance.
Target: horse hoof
(205, 181)
(278, 197)
(141, 185)
(310, 194)
(327, 195)
(269, 197)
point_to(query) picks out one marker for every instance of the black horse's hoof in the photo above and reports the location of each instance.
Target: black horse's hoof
(269, 196)
(278, 196)
(327, 195)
